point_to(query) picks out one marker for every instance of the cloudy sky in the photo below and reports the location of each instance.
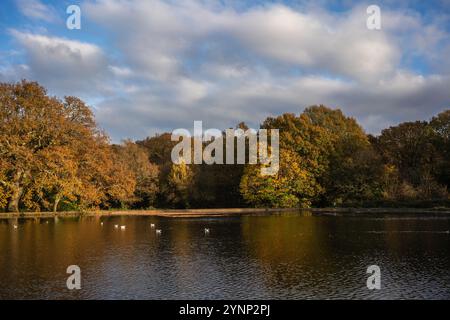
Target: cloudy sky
(148, 66)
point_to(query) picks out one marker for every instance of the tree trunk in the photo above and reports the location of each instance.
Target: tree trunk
(55, 204)
(17, 190)
(13, 205)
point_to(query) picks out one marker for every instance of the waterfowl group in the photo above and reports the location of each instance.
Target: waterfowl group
(152, 225)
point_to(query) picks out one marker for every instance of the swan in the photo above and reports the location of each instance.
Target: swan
(206, 230)
(158, 231)
(122, 227)
(152, 225)
(116, 226)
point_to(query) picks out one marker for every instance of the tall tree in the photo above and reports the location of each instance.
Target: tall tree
(296, 183)
(440, 126)
(353, 169)
(178, 188)
(145, 173)
(411, 149)
(326, 159)
(52, 150)
(293, 186)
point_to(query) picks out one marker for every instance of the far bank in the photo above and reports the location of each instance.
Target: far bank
(224, 212)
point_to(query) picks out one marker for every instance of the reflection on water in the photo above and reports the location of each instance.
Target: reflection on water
(283, 256)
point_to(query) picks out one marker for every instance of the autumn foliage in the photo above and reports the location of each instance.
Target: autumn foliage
(54, 157)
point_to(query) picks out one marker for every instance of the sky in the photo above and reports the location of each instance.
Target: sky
(154, 66)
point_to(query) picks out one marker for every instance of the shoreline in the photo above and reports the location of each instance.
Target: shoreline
(172, 213)
(223, 212)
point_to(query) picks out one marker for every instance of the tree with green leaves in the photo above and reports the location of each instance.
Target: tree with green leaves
(292, 186)
(178, 188)
(326, 159)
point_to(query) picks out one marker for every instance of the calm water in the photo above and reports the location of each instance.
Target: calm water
(285, 256)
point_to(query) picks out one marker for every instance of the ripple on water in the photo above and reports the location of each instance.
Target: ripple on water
(260, 257)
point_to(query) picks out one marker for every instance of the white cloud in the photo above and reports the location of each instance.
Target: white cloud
(169, 63)
(342, 45)
(68, 66)
(10, 73)
(156, 36)
(37, 10)
(121, 71)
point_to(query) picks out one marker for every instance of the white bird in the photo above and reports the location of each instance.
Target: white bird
(15, 226)
(122, 227)
(101, 223)
(158, 231)
(152, 225)
(116, 226)
(206, 230)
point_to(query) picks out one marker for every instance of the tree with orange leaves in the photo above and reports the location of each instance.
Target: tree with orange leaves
(52, 151)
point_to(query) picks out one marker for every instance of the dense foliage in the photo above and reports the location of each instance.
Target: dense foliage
(54, 157)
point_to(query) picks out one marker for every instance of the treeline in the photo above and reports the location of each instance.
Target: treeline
(54, 157)
(326, 159)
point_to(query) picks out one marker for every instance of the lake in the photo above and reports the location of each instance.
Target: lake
(289, 255)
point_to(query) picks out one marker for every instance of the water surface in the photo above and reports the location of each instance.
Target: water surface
(278, 256)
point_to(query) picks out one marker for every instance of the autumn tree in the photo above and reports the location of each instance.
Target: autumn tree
(54, 157)
(295, 184)
(145, 173)
(325, 158)
(30, 124)
(178, 188)
(292, 186)
(415, 152)
(51, 150)
(353, 170)
(440, 126)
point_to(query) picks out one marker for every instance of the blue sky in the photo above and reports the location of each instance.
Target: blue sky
(153, 66)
